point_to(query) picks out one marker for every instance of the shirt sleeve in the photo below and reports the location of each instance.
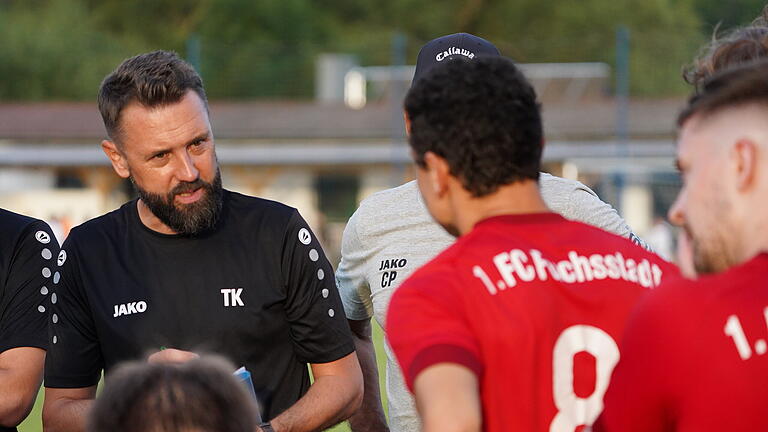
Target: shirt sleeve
(25, 315)
(351, 278)
(74, 358)
(639, 396)
(426, 326)
(585, 206)
(318, 326)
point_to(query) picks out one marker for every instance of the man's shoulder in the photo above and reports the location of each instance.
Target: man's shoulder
(397, 212)
(559, 187)
(576, 201)
(111, 223)
(12, 224)
(254, 210)
(391, 199)
(685, 305)
(260, 220)
(592, 235)
(248, 203)
(19, 232)
(738, 285)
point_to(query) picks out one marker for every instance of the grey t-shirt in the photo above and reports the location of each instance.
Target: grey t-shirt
(392, 234)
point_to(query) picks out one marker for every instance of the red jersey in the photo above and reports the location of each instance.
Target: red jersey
(534, 305)
(694, 357)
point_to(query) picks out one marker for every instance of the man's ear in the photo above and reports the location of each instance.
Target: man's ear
(119, 164)
(745, 153)
(407, 121)
(438, 172)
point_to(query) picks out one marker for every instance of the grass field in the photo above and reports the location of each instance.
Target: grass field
(33, 423)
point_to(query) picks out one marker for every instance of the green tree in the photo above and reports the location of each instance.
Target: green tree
(51, 50)
(60, 49)
(727, 13)
(665, 33)
(261, 49)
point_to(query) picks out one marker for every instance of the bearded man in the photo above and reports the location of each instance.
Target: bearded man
(190, 267)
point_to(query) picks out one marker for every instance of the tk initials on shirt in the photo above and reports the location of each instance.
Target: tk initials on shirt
(232, 297)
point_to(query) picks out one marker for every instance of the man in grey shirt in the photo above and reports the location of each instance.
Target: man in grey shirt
(392, 234)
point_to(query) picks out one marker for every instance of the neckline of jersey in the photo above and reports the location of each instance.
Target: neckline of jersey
(136, 219)
(756, 261)
(762, 255)
(523, 218)
(179, 239)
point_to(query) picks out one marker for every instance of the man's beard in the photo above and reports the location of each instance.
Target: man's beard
(711, 236)
(187, 219)
(710, 258)
(710, 253)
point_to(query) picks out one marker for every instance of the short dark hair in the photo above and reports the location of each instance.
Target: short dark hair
(739, 46)
(482, 117)
(201, 394)
(741, 85)
(151, 79)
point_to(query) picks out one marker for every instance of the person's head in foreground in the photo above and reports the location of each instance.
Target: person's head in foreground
(475, 129)
(156, 115)
(738, 46)
(741, 45)
(722, 155)
(198, 396)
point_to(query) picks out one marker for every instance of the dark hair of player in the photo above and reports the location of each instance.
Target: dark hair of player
(482, 117)
(153, 79)
(741, 45)
(201, 395)
(741, 85)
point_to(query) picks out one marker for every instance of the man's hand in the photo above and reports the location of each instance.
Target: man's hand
(172, 355)
(370, 417)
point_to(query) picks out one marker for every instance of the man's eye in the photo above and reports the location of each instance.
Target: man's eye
(160, 156)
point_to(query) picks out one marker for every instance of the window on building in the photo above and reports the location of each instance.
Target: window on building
(67, 179)
(337, 195)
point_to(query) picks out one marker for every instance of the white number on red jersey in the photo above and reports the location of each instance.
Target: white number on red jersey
(572, 410)
(734, 329)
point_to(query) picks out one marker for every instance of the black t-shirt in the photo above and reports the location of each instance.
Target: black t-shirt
(28, 254)
(257, 289)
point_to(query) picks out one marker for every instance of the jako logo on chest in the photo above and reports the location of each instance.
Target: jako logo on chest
(129, 308)
(393, 263)
(388, 267)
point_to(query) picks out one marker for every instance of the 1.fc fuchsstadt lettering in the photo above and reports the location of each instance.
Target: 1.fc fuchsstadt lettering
(518, 265)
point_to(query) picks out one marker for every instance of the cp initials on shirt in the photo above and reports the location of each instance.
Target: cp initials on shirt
(389, 276)
(232, 297)
(130, 308)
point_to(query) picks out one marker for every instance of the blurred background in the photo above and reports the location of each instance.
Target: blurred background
(306, 95)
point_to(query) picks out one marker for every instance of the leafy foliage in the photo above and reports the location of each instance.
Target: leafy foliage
(61, 49)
